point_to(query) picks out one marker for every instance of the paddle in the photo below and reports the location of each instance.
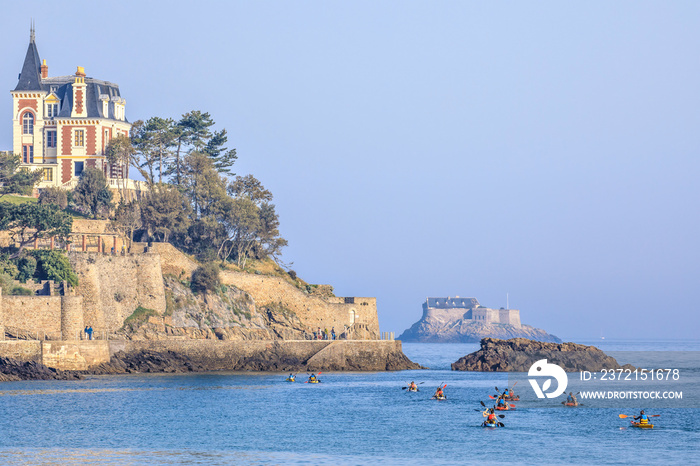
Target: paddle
(500, 424)
(434, 397)
(623, 416)
(316, 377)
(419, 383)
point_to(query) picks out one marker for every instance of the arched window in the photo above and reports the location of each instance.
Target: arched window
(28, 123)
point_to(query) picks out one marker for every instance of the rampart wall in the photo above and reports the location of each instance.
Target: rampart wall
(113, 286)
(313, 311)
(33, 314)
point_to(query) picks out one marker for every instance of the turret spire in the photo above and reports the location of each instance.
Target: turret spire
(32, 36)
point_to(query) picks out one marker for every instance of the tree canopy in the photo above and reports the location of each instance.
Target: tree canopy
(16, 180)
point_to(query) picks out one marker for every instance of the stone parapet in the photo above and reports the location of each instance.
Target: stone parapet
(21, 350)
(74, 355)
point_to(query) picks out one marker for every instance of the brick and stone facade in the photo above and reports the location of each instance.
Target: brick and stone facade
(63, 124)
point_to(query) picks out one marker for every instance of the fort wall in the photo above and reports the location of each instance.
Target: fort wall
(213, 354)
(112, 286)
(39, 315)
(313, 311)
(452, 309)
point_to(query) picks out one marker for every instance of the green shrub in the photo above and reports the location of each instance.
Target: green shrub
(21, 291)
(26, 267)
(141, 314)
(54, 195)
(6, 283)
(54, 265)
(205, 278)
(8, 267)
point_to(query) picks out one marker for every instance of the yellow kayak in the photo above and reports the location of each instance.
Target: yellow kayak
(642, 426)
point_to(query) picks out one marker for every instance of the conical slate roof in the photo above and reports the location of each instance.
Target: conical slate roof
(30, 77)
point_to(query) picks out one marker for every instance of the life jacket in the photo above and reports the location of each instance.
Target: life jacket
(643, 419)
(491, 418)
(569, 399)
(501, 402)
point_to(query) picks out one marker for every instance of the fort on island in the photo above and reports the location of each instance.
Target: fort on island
(464, 320)
(468, 309)
(63, 125)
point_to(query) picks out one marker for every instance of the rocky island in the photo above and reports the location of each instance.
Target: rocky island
(518, 354)
(464, 320)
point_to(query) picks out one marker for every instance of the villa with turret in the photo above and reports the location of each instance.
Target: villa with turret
(63, 124)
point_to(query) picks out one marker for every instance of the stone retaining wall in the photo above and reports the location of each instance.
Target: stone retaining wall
(214, 354)
(21, 350)
(74, 355)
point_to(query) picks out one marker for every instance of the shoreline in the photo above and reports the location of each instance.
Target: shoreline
(68, 360)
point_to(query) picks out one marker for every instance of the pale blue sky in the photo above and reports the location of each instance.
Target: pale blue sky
(548, 150)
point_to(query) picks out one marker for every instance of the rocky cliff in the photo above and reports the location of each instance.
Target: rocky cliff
(518, 354)
(227, 313)
(434, 330)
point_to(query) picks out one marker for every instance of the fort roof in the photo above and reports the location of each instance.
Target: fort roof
(452, 302)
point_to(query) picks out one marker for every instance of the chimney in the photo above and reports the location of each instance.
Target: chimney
(79, 107)
(44, 70)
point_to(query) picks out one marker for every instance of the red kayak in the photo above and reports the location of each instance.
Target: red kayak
(504, 408)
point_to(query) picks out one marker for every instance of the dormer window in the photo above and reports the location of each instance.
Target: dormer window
(51, 110)
(28, 123)
(54, 89)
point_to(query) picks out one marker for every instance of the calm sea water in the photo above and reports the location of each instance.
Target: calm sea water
(350, 418)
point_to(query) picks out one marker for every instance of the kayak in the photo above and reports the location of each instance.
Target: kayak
(290, 379)
(504, 408)
(487, 424)
(412, 390)
(642, 426)
(440, 397)
(313, 381)
(571, 405)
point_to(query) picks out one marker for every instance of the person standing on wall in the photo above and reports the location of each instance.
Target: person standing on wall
(332, 333)
(86, 332)
(89, 332)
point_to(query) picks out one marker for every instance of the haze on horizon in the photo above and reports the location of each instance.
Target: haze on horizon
(414, 149)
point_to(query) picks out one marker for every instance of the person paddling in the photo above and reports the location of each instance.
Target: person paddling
(439, 394)
(312, 379)
(502, 402)
(412, 387)
(492, 417)
(572, 399)
(642, 418)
